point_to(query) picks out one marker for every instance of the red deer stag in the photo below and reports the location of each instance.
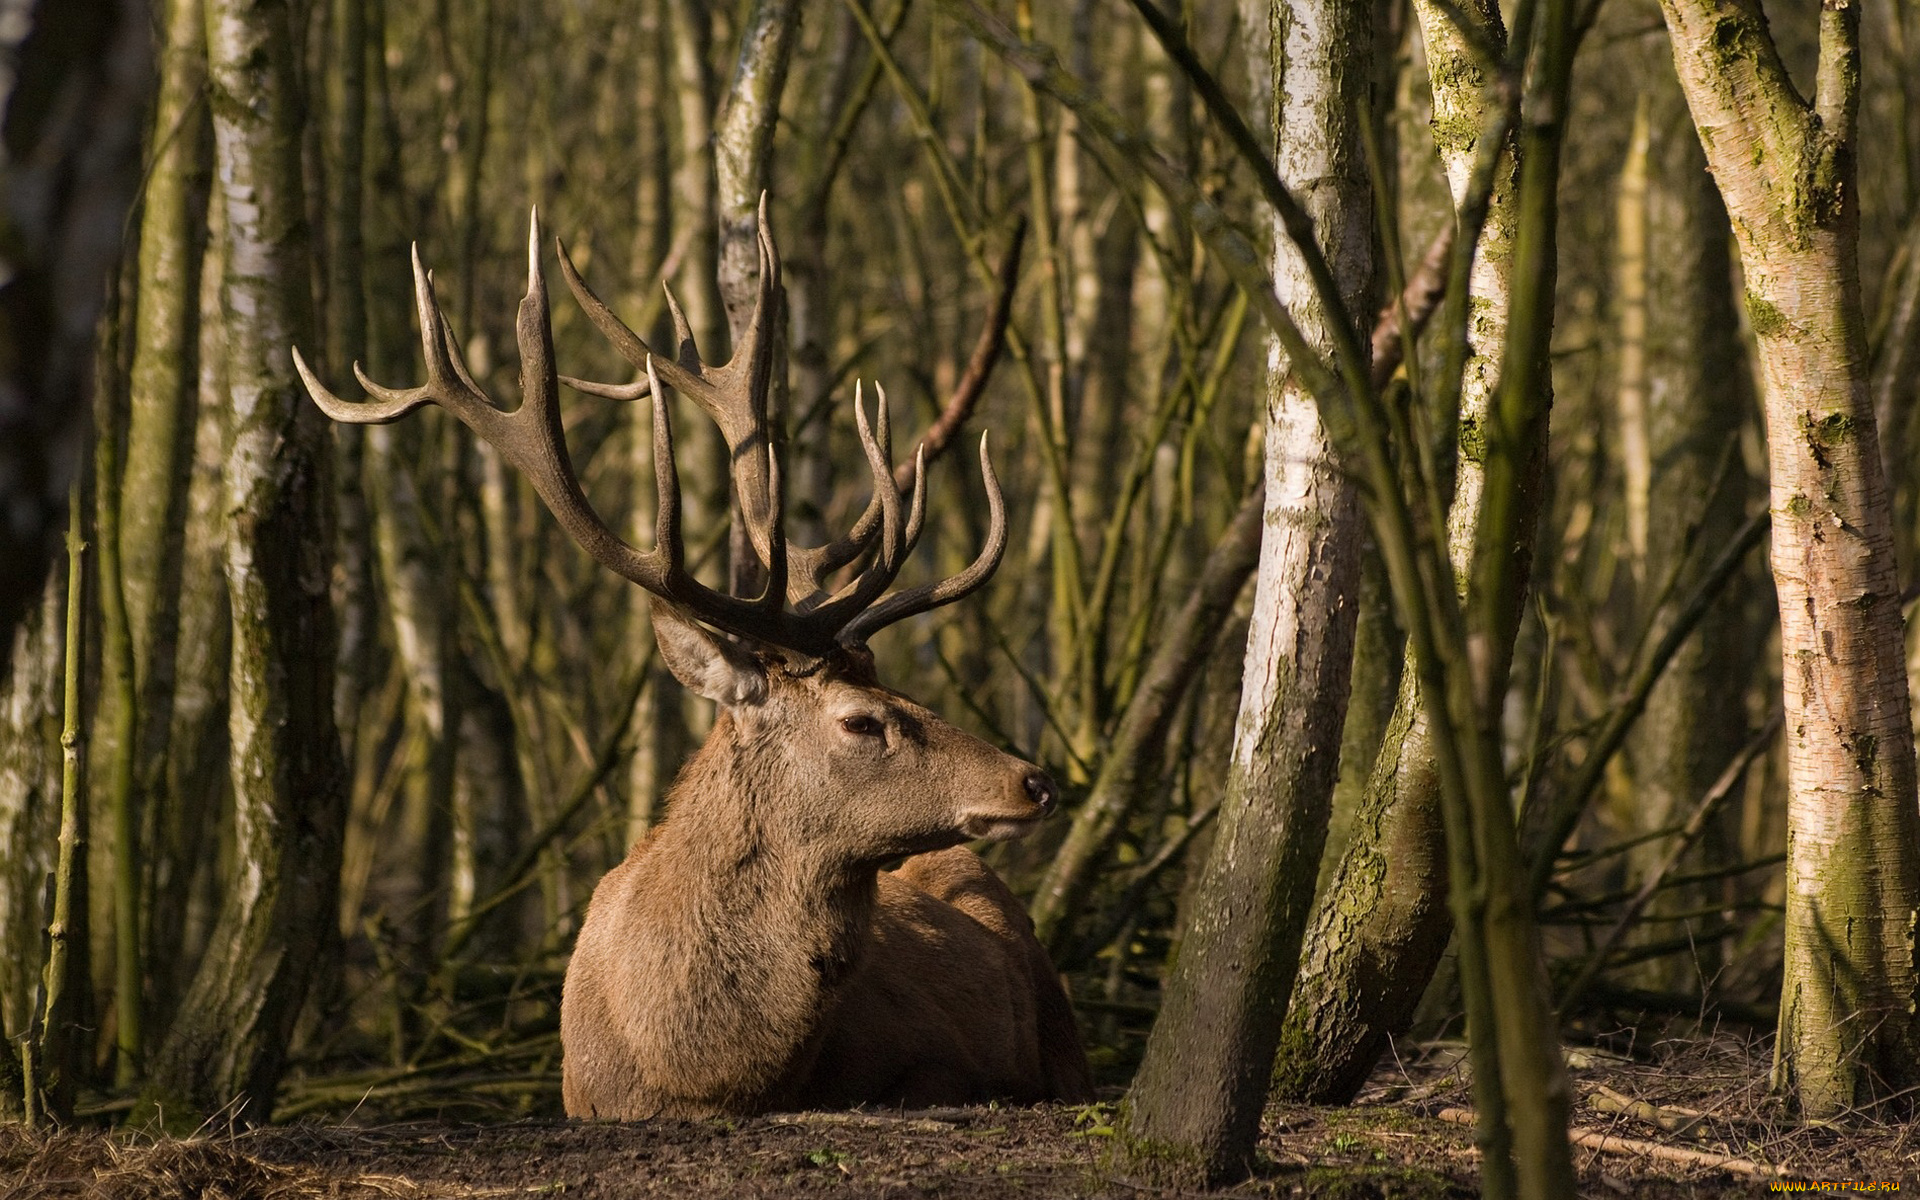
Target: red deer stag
(751, 953)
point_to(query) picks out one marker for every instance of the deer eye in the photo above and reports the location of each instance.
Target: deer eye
(863, 725)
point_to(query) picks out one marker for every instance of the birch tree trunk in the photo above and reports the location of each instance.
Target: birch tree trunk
(743, 146)
(1374, 943)
(29, 811)
(1785, 165)
(1201, 1087)
(228, 1044)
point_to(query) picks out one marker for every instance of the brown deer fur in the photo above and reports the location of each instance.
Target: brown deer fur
(751, 954)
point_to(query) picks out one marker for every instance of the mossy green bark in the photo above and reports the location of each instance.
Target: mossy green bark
(1784, 166)
(228, 1043)
(1376, 939)
(1196, 1102)
(193, 786)
(149, 496)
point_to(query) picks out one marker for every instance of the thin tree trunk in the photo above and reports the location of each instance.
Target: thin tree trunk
(116, 723)
(344, 152)
(421, 606)
(29, 814)
(658, 744)
(164, 384)
(163, 400)
(697, 222)
(1136, 747)
(191, 797)
(56, 1051)
(1374, 943)
(1847, 1027)
(1204, 1080)
(1630, 284)
(228, 1044)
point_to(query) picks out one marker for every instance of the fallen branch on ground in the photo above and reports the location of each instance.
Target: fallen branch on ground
(1606, 1143)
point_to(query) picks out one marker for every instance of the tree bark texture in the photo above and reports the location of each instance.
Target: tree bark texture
(1376, 938)
(1785, 167)
(181, 872)
(1204, 1080)
(228, 1044)
(29, 808)
(163, 389)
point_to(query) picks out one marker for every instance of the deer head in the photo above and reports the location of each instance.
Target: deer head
(854, 764)
(858, 770)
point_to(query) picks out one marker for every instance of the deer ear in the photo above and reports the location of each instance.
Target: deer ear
(707, 665)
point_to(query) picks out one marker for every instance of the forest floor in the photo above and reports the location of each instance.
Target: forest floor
(1692, 1123)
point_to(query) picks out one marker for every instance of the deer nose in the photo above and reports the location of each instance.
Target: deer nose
(1042, 790)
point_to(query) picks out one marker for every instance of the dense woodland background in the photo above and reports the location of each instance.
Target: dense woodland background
(346, 729)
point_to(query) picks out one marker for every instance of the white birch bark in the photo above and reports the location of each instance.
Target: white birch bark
(1204, 1080)
(1784, 164)
(1376, 941)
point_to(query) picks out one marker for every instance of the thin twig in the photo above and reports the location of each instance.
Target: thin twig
(986, 353)
(1690, 833)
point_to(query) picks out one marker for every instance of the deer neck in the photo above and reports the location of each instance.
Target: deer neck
(771, 922)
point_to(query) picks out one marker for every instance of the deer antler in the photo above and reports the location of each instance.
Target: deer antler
(734, 395)
(531, 438)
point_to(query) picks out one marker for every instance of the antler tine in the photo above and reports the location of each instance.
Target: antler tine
(391, 407)
(533, 330)
(835, 611)
(733, 395)
(448, 383)
(917, 509)
(946, 591)
(667, 542)
(628, 343)
(775, 557)
(765, 300)
(689, 353)
(816, 564)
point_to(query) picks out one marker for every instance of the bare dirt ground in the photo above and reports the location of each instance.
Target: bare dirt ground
(1691, 1123)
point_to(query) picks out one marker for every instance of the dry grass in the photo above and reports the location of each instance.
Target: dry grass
(86, 1163)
